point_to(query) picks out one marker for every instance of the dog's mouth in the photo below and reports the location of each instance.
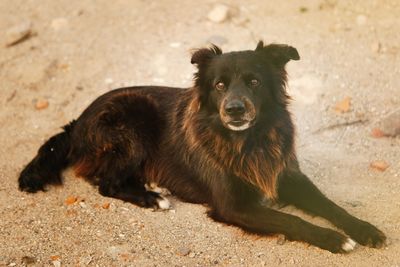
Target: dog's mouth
(238, 125)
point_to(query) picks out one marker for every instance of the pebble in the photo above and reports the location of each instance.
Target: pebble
(27, 260)
(219, 13)
(57, 263)
(379, 165)
(183, 251)
(281, 240)
(18, 33)
(41, 104)
(59, 24)
(390, 125)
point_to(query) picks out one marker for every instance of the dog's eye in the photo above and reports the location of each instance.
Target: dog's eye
(254, 83)
(220, 86)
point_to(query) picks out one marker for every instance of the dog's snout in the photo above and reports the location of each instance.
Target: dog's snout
(235, 107)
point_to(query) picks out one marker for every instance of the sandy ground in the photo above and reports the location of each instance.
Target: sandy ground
(80, 49)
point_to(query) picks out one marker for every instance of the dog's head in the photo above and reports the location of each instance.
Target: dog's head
(240, 87)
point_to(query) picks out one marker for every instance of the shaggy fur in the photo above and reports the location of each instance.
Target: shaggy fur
(227, 142)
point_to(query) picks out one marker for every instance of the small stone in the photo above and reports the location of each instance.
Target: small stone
(217, 40)
(59, 24)
(379, 165)
(281, 240)
(377, 133)
(112, 207)
(70, 200)
(83, 205)
(106, 205)
(361, 20)
(12, 264)
(219, 13)
(183, 251)
(343, 106)
(57, 263)
(27, 260)
(192, 255)
(18, 33)
(41, 104)
(303, 9)
(390, 125)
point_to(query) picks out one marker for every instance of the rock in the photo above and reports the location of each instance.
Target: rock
(183, 251)
(18, 33)
(390, 125)
(217, 40)
(361, 20)
(343, 105)
(27, 260)
(59, 24)
(57, 263)
(41, 104)
(377, 133)
(379, 165)
(219, 13)
(281, 240)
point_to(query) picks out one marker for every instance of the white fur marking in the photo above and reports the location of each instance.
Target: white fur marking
(163, 204)
(349, 245)
(239, 128)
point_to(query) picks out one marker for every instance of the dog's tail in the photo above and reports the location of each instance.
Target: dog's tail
(47, 165)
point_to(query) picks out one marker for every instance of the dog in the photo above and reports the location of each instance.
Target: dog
(226, 142)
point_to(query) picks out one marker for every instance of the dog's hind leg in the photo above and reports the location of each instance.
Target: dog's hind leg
(296, 189)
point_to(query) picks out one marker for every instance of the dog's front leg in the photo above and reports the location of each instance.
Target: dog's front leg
(263, 220)
(296, 189)
(238, 203)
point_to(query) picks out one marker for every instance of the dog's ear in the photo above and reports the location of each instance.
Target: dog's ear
(280, 54)
(202, 56)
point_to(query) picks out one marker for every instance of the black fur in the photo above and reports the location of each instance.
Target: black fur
(227, 142)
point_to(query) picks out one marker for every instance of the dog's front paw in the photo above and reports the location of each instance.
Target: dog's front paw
(334, 241)
(367, 235)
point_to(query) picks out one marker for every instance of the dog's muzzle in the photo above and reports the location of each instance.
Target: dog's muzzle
(237, 114)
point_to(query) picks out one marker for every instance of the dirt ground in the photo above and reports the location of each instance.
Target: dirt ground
(77, 50)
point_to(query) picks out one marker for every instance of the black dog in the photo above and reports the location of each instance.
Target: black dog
(226, 142)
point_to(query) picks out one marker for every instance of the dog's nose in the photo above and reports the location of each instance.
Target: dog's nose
(235, 107)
